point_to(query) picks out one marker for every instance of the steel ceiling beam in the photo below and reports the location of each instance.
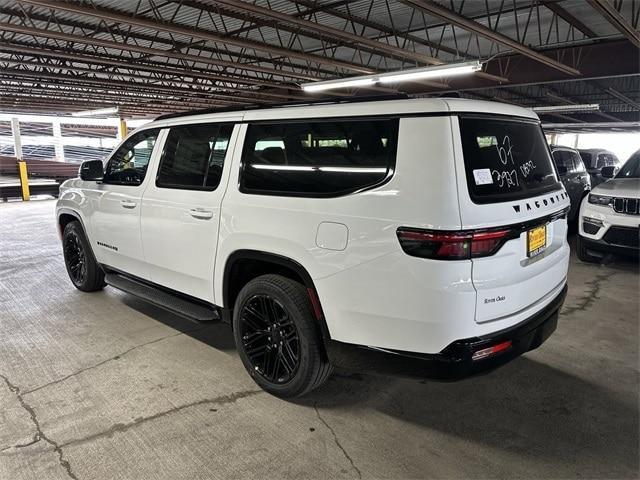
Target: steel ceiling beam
(246, 96)
(194, 95)
(472, 26)
(608, 11)
(559, 10)
(138, 37)
(145, 67)
(384, 29)
(105, 14)
(554, 94)
(72, 93)
(614, 93)
(151, 81)
(343, 35)
(326, 30)
(155, 106)
(88, 40)
(24, 103)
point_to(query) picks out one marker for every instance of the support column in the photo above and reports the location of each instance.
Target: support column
(57, 141)
(122, 129)
(22, 166)
(17, 140)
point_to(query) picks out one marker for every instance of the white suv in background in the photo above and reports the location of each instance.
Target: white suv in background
(610, 215)
(423, 236)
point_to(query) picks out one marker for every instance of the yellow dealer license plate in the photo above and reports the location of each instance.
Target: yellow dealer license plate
(536, 240)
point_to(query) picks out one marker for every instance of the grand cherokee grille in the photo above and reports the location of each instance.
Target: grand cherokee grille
(629, 206)
(623, 236)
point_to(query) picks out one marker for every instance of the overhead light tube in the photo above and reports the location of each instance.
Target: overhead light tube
(588, 107)
(99, 111)
(331, 84)
(430, 72)
(413, 74)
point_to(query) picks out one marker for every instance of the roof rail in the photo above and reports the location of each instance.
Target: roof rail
(323, 101)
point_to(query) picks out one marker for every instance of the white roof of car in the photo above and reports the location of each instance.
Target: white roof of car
(346, 109)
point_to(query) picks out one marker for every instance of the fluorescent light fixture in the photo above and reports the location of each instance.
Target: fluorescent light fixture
(413, 74)
(589, 107)
(430, 72)
(92, 113)
(331, 84)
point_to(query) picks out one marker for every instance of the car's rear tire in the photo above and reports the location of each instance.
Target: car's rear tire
(82, 267)
(277, 337)
(582, 252)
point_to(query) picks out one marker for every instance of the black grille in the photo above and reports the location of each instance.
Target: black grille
(629, 206)
(626, 237)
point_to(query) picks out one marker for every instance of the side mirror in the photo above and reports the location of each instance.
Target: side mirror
(92, 170)
(608, 172)
(562, 170)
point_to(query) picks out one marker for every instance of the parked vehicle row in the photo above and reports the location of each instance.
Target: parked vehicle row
(610, 215)
(574, 176)
(423, 236)
(595, 159)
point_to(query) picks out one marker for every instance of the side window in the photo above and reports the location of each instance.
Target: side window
(318, 159)
(193, 156)
(560, 157)
(606, 160)
(128, 165)
(586, 159)
(578, 166)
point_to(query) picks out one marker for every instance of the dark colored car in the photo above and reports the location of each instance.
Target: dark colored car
(595, 159)
(573, 174)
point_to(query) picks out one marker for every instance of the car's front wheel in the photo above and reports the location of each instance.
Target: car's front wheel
(277, 337)
(82, 267)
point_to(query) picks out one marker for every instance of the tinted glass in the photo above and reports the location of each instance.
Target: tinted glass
(631, 169)
(578, 166)
(193, 156)
(562, 159)
(318, 158)
(586, 159)
(128, 165)
(505, 160)
(606, 160)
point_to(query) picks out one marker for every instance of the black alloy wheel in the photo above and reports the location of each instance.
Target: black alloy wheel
(270, 339)
(83, 269)
(76, 258)
(278, 338)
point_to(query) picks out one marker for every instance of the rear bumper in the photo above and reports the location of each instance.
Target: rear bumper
(454, 362)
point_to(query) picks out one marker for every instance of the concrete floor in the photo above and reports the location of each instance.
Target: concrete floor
(104, 386)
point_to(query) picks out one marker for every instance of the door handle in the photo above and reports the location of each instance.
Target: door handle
(128, 204)
(201, 213)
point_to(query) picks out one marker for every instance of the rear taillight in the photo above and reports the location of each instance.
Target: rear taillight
(491, 351)
(453, 245)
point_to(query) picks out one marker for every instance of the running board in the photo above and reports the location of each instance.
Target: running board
(163, 299)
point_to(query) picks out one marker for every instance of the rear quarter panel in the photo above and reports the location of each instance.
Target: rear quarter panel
(421, 193)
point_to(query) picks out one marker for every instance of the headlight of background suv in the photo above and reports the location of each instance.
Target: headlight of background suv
(600, 199)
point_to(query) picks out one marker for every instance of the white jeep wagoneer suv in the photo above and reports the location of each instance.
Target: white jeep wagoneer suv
(418, 236)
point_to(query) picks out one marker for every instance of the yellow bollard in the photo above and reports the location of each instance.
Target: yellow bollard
(122, 129)
(24, 180)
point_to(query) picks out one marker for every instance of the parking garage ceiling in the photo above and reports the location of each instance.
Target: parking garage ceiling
(150, 57)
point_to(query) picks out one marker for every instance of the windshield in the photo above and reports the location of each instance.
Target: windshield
(505, 159)
(631, 169)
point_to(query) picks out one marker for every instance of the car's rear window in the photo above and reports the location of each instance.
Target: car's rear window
(505, 159)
